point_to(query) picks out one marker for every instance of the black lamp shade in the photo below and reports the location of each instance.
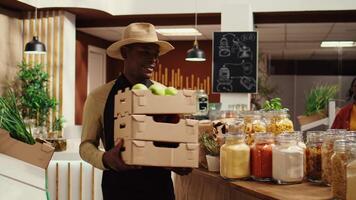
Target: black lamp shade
(35, 47)
(195, 54)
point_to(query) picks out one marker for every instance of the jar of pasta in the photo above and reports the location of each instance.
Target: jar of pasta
(338, 169)
(351, 171)
(327, 150)
(277, 121)
(287, 160)
(252, 124)
(261, 157)
(313, 155)
(235, 157)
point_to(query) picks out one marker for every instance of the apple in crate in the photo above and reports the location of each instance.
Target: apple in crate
(157, 89)
(139, 86)
(171, 91)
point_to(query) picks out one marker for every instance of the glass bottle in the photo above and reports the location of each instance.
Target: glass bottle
(338, 169)
(253, 123)
(235, 157)
(313, 155)
(287, 160)
(351, 172)
(327, 150)
(202, 103)
(261, 157)
(277, 121)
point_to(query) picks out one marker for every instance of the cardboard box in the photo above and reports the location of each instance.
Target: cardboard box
(23, 168)
(138, 152)
(37, 154)
(143, 127)
(144, 102)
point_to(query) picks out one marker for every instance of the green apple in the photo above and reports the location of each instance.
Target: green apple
(170, 91)
(157, 89)
(139, 86)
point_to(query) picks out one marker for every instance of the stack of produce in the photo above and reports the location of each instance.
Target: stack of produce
(148, 119)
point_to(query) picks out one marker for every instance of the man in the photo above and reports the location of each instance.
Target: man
(139, 48)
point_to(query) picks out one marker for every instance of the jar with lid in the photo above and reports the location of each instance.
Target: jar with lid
(202, 103)
(277, 121)
(327, 150)
(261, 157)
(338, 169)
(351, 171)
(253, 123)
(235, 157)
(287, 160)
(313, 155)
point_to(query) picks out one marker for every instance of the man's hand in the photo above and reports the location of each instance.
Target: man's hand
(112, 159)
(181, 170)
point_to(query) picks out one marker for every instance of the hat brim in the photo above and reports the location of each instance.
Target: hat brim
(115, 52)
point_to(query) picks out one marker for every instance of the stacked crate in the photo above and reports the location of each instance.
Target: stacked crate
(151, 143)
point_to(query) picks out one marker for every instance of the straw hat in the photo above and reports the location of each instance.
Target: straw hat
(138, 33)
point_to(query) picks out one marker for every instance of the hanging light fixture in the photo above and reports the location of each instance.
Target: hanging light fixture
(35, 46)
(195, 54)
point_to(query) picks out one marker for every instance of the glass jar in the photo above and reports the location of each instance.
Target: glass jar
(351, 172)
(287, 160)
(313, 155)
(338, 169)
(202, 103)
(253, 123)
(327, 150)
(235, 157)
(278, 122)
(261, 157)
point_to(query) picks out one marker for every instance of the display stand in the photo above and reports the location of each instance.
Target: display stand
(325, 121)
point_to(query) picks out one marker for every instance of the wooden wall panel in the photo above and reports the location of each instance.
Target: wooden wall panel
(49, 28)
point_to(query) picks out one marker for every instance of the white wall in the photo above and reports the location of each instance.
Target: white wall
(69, 69)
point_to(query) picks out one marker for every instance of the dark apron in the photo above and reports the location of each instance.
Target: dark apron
(145, 183)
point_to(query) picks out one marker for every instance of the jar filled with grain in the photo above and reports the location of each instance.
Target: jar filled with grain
(327, 150)
(338, 169)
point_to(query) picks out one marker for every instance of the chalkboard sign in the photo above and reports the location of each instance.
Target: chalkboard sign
(234, 62)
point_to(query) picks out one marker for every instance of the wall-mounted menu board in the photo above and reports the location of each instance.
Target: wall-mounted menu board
(235, 62)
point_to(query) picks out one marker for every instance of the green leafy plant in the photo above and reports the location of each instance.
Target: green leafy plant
(11, 119)
(58, 124)
(318, 98)
(273, 104)
(35, 101)
(210, 145)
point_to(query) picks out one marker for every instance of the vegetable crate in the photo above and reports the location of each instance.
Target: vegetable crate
(153, 133)
(23, 168)
(144, 102)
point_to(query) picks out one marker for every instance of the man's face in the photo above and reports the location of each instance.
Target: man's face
(141, 59)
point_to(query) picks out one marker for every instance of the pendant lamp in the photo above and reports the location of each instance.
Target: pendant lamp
(195, 54)
(35, 46)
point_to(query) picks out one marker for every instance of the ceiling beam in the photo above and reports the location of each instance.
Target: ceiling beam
(157, 20)
(305, 17)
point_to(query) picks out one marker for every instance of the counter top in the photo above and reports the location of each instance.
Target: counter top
(252, 189)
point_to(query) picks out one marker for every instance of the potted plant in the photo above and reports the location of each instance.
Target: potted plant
(35, 102)
(316, 103)
(212, 150)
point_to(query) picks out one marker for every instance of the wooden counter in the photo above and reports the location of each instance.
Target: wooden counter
(201, 184)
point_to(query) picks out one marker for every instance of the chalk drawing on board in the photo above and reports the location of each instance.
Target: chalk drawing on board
(247, 68)
(248, 37)
(224, 80)
(224, 48)
(248, 82)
